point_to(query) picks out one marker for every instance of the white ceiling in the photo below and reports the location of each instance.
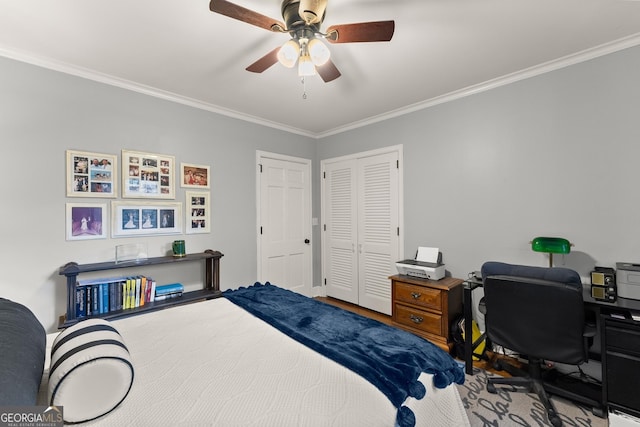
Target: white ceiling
(441, 49)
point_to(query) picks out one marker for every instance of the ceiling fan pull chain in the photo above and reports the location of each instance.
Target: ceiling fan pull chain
(304, 88)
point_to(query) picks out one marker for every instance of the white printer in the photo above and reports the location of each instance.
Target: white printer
(628, 280)
(426, 265)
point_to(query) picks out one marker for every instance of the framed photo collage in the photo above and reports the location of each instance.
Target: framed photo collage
(149, 177)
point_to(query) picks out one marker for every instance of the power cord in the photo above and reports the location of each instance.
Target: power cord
(580, 375)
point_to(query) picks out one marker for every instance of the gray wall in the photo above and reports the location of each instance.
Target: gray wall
(43, 113)
(553, 155)
(550, 155)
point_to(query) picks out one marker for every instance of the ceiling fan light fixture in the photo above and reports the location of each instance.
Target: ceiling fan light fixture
(306, 67)
(318, 52)
(289, 53)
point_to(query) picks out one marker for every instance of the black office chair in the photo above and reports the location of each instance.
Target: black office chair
(539, 313)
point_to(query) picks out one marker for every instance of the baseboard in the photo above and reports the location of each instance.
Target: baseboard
(620, 419)
(319, 291)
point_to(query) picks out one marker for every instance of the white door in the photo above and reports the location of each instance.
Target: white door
(284, 222)
(378, 229)
(341, 230)
(361, 207)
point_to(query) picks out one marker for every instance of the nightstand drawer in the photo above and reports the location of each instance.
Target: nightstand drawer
(418, 319)
(419, 295)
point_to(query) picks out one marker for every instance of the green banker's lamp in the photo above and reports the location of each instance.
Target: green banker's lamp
(551, 245)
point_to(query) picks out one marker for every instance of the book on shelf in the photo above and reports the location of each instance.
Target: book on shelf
(100, 296)
(170, 288)
(143, 290)
(132, 292)
(127, 297)
(104, 295)
(152, 290)
(81, 302)
(104, 288)
(95, 299)
(112, 296)
(88, 304)
(136, 294)
(96, 296)
(167, 296)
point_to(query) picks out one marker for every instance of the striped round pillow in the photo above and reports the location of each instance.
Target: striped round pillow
(90, 372)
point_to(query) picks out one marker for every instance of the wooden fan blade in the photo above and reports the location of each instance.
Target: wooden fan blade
(246, 15)
(378, 31)
(265, 62)
(328, 71)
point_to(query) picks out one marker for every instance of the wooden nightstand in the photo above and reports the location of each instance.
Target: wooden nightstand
(427, 307)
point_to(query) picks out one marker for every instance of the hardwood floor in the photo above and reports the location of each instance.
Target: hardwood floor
(482, 364)
(357, 309)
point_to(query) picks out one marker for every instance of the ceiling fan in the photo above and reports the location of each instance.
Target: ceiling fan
(302, 20)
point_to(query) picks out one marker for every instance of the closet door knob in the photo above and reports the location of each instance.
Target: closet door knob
(307, 241)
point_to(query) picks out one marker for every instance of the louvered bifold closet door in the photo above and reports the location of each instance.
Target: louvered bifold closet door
(341, 272)
(378, 222)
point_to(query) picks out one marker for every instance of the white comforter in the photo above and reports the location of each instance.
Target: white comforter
(213, 364)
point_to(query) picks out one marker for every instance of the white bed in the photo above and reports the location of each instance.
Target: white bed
(212, 363)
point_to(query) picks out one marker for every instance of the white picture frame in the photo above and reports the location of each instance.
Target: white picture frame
(86, 221)
(147, 175)
(91, 174)
(145, 218)
(197, 212)
(195, 176)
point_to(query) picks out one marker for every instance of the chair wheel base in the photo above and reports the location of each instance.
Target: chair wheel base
(491, 388)
(555, 420)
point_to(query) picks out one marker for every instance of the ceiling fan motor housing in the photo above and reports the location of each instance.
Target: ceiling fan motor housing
(297, 13)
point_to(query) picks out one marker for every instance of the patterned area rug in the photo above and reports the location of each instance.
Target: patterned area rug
(510, 408)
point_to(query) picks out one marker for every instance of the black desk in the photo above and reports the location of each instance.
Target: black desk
(616, 339)
(467, 301)
(619, 350)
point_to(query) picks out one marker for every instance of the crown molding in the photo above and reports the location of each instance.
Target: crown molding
(536, 70)
(556, 64)
(93, 75)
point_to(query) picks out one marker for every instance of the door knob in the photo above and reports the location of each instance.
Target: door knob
(307, 241)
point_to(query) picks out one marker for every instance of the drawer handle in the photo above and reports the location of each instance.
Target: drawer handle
(415, 295)
(416, 319)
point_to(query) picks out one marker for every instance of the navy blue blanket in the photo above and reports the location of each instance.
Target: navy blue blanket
(389, 358)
